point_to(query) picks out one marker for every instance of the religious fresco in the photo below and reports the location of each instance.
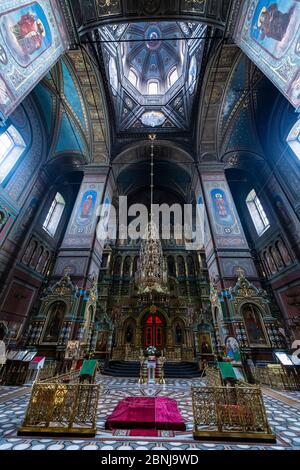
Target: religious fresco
(26, 33)
(222, 210)
(232, 349)
(84, 216)
(87, 208)
(254, 326)
(32, 39)
(226, 225)
(205, 343)
(54, 322)
(268, 33)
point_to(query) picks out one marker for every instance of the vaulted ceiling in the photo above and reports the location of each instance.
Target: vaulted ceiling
(171, 71)
(152, 57)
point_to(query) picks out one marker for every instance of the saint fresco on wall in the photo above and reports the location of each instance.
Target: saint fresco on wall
(268, 32)
(274, 25)
(26, 33)
(222, 210)
(33, 36)
(87, 208)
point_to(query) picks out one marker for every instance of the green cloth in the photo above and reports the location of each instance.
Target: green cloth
(227, 371)
(237, 356)
(88, 367)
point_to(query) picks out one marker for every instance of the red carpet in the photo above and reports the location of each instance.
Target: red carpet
(157, 413)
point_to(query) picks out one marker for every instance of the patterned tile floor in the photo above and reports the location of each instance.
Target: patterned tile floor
(283, 418)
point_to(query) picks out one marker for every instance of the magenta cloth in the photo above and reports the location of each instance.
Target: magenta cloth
(146, 413)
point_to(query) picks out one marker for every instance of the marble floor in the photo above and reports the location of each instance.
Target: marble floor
(283, 409)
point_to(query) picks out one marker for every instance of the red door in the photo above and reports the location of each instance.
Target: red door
(154, 332)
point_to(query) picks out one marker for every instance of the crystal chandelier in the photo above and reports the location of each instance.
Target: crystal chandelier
(151, 277)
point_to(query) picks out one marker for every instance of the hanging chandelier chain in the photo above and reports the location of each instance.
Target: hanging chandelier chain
(151, 276)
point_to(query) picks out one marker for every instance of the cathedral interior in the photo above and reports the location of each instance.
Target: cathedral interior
(186, 111)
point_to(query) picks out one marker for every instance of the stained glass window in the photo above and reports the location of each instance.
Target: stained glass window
(55, 212)
(12, 146)
(257, 213)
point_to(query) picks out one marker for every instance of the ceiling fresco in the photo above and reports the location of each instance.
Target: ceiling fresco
(152, 69)
(268, 32)
(33, 36)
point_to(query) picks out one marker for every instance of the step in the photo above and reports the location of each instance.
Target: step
(132, 369)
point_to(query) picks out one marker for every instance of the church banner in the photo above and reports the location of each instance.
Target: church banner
(33, 36)
(269, 33)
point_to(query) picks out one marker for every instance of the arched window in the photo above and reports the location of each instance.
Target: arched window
(266, 263)
(31, 247)
(178, 333)
(171, 266)
(117, 266)
(284, 252)
(34, 254)
(258, 215)
(127, 266)
(294, 139)
(135, 264)
(38, 258)
(181, 266)
(104, 261)
(46, 262)
(190, 266)
(173, 77)
(152, 87)
(132, 77)
(54, 215)
(12, 146)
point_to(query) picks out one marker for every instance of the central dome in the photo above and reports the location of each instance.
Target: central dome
(154, 56)
(152, 69)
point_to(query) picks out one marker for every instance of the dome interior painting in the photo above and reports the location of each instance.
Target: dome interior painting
(152, 69)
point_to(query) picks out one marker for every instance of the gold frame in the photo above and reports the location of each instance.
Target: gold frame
(255, 346)
(211, 344)
(17, 336)
(46, 343)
